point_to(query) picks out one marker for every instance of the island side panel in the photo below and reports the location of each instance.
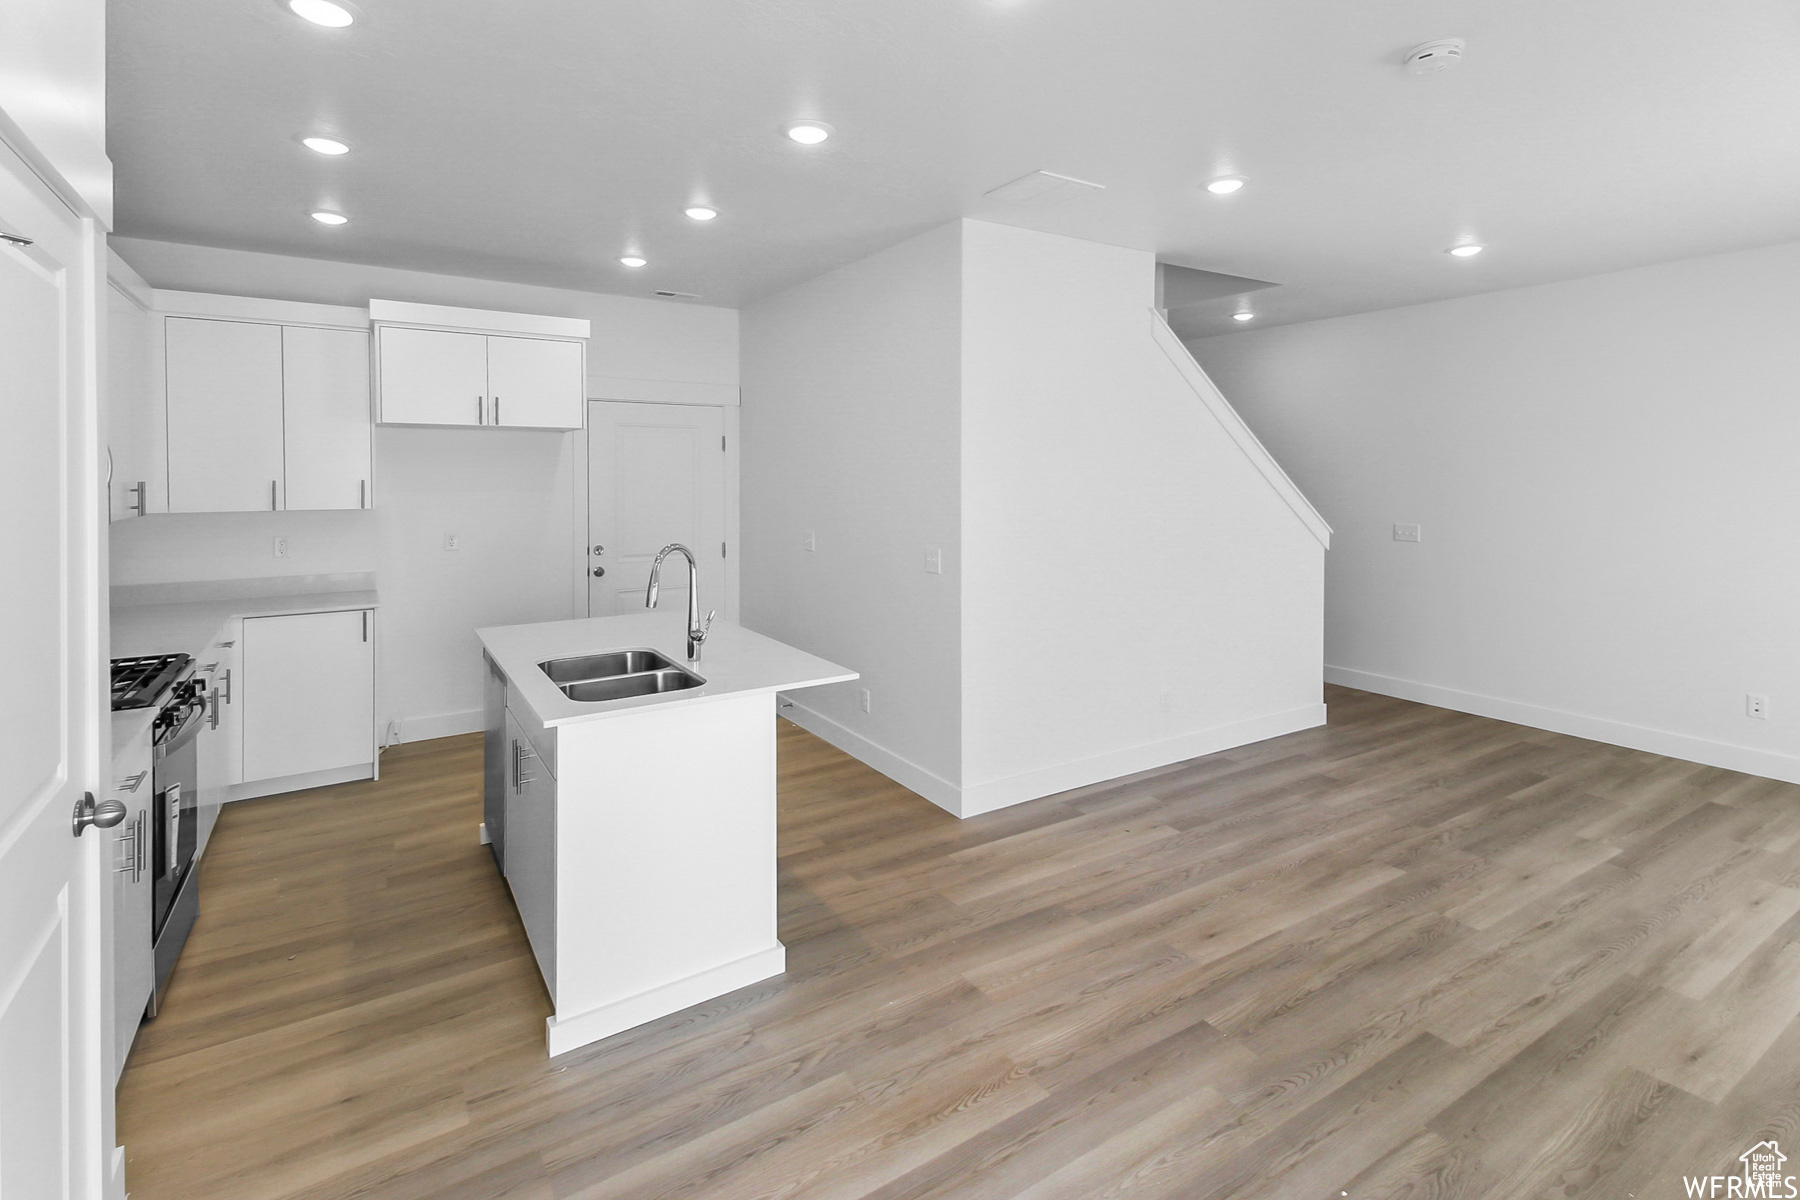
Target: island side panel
(666, 862)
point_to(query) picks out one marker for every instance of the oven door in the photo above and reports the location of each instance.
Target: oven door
(175, 807)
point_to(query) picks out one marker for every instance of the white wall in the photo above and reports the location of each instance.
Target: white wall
(1604, 470)
(1134, 591)
(512, 496)
(53, 88)
(850, 429)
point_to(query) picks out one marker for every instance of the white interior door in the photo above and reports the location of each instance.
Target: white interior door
(325, 415)
(432, 377)
(54, 1024)
(536, 383)
(224, 381)
(656, 474)
(309, 693)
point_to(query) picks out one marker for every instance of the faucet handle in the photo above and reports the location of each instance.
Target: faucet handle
(706, 625)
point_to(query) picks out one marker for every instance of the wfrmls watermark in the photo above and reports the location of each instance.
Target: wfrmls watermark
(1762, 1178)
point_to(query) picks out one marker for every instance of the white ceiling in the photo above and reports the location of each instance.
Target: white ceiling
(537, 140)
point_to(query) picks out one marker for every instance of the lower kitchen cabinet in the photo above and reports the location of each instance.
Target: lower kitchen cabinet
(530, 856)
(128, 859)
(308, 694)
(219, 751)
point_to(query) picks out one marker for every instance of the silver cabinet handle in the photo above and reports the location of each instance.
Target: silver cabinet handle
(365, 618)
(496, 410)
(480, 411)
(209, 668)
(138, 506)
(134, 783)
(227, 682)
(362, 493)
(212, 714)
(272, 505)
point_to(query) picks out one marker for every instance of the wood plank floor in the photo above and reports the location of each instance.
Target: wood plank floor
(1413, 953)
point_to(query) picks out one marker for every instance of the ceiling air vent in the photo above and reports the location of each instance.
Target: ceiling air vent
(668, 295)
(1432, 57)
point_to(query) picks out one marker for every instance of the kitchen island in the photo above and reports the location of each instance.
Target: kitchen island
(637, 832)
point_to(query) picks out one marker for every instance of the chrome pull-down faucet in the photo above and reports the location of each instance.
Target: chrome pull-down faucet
(696, 632)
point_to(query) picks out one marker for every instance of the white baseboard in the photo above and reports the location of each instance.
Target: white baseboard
(115, 1182)
(567, 1033)
(1048, 781)
(905, 772)
(1748, 759)
(423, 729)
(981, 798)
(299, 783)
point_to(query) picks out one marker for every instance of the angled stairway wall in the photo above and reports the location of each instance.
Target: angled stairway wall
(1129, 580)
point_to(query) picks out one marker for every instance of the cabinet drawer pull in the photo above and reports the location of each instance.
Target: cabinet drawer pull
(362, 493)
(137, 506)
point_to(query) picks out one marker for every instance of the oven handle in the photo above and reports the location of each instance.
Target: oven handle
(187, 731)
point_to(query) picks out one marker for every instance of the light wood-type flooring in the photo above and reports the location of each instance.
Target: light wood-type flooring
(1413, 953)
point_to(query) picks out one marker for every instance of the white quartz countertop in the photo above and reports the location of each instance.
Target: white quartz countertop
(734, 662)
(188, 626)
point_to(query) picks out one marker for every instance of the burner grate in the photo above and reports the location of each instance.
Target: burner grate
(140, 682)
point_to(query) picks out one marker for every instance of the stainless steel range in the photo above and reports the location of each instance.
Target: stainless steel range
(167, 683)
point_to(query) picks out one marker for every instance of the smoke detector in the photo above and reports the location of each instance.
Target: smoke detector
(1432, 57)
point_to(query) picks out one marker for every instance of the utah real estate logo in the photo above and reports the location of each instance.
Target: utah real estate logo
(1762, 1178)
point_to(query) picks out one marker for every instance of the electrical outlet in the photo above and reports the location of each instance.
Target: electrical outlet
(865, 699)
(934, 560)
(453, 541)
(281, 546)
(1756, 706)
(807, 542)
(1406, 533)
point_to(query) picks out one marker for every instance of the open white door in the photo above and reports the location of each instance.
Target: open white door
(656, 474)
(55, 1111)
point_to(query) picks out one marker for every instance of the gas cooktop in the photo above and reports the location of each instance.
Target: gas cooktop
(140, 682)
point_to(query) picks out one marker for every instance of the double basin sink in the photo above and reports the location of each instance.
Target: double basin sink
(617, 675)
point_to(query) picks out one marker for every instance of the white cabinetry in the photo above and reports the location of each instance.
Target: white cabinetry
(136, 461)
(308, 688)
(263, 416)
(325, 417)
(536, 383)
(432, 377)
(224, 412)
(454, 366)
(219, 749)
(531, 844)
(128, 862)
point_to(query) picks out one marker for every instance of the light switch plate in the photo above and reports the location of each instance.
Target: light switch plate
(934, 560)
(808, 542)
(1406, 533)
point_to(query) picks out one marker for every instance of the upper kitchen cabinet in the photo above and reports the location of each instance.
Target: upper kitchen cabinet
(224, 398)
(437, 365)
(269, 412)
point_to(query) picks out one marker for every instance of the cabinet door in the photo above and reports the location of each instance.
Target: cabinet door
(536, 383)
(430, 377)
(224, 415)
(325, 414)
(134, 412)
(531, 846)
(128, 860)
(308, 693)
(217, 740)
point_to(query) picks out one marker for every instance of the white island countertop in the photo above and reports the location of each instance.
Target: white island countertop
(734, 662)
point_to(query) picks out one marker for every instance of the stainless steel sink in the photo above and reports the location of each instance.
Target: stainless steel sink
(621, 687)
(603, 666)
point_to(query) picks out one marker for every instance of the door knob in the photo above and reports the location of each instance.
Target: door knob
(599, 549)
(102, 816)
(599, 571)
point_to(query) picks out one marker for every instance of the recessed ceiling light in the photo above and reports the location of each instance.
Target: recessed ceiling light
(330, 13)
(702, 213)
(1468, 250)
(1225, 185)
(1243, 316)
(632, 260)
(325, 145)
(325, 216)
(808, 133)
